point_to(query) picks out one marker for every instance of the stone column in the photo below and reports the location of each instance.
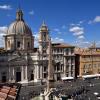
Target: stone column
(9, 73)
(23, 43)
(26, 77)
(35, 72)
(69, 70)
(80, 67)
(38, 72)
(22, 74)
(5, 43)
(13, 74)
(41, 72)
(65, 66)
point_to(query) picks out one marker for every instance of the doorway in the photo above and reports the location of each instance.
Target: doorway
(18, 76)
(32, 76)
(3, 79)
(58, 77)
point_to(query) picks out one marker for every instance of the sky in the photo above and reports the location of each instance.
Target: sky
(76, 22)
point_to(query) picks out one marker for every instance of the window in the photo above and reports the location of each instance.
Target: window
(72, 51)
(32, 75)
(8, 43)
(45, 68)
(44, 51)
(72, 60)
(67, 68)
(4, 76)
(18, 44)
(72, 67)
(58, 66)
(45, 75)
(54, 68)
(28, 45)
(66, 51)
(61, 67)
(44, 36)
(66, 74)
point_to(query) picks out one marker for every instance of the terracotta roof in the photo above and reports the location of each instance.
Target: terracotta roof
(61, 45)
(9, 91)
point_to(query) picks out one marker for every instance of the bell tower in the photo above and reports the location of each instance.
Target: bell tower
(43, 39)
(44, 50)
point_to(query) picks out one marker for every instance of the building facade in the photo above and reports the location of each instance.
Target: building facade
(21, 62)
(88, 62)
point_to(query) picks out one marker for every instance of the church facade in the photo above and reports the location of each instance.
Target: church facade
(20, 61)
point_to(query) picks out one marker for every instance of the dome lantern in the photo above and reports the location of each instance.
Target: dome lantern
(19, 15)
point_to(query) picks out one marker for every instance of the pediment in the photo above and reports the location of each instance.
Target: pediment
(17, 59)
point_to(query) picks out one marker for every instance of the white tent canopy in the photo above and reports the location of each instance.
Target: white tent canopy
(67, 78)
(91, 76)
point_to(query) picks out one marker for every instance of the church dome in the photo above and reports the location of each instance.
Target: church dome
(19, 26)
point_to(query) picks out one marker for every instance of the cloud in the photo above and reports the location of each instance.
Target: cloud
(81, 22)
(82, 43)
(3, 30)
(9, 15)
(90, 22)
(72, 24)
(76, 30)
(57, 40)
(56, 29)
(31, 12)
(36, 36)
(81, 37)
(97, 19)
(63, 27)
(77, 24)
(5, 7)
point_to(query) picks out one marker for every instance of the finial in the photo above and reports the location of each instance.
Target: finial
(19, 13)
